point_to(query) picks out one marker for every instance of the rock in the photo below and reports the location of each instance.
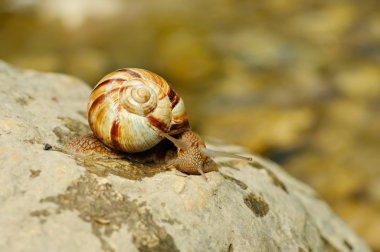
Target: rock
(53, 201)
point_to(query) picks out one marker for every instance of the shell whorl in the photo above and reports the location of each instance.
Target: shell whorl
(138, 96)
(128, 106)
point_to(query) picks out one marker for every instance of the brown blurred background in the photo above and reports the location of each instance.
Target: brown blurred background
(296, 81)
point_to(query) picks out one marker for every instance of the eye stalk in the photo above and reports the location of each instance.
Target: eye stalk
(214, 153)
(183, 145)
(177, 142)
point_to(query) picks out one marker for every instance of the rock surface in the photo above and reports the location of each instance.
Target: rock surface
(53, 201)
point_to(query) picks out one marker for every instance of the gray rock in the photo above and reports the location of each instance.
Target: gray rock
(53, 201)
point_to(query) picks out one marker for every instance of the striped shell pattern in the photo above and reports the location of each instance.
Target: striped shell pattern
(127, 108)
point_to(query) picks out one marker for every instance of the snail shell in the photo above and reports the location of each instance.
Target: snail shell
(128, 106)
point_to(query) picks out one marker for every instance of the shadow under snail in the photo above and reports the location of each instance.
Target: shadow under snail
(131, 110)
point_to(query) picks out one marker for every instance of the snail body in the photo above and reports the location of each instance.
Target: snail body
(131, 110)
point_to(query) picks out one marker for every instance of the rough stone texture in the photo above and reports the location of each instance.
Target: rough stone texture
(53, 201)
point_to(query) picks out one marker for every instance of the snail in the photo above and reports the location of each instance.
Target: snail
(131, 110)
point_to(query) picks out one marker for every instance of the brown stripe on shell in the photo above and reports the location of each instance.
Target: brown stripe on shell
(95, 103)
(124, 87)
(129, 71)
(173, 97)
(115, 132)
(96, 127)
(179, 128)
(109, 81)
(98, 100)
(157, 79)
(159, 82)
(156, 123)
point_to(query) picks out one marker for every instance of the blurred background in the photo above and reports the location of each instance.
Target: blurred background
(295, 81)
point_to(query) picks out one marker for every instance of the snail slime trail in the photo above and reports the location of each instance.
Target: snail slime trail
(131, 110)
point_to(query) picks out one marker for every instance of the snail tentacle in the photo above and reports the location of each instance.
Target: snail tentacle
(214, 153)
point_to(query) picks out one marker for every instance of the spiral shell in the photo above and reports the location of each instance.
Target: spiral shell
(127, 108)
